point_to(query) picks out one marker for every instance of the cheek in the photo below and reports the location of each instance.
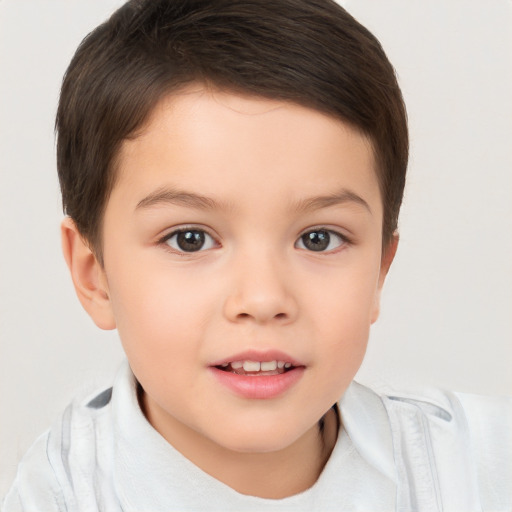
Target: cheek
(159, 313)
(344, 298)
(341, 310)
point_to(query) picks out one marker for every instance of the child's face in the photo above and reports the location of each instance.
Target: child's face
(243, 180)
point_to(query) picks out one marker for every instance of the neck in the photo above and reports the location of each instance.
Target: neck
(271, 475)
(281, 474)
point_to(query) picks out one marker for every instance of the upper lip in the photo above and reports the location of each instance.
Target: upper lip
(259, 355)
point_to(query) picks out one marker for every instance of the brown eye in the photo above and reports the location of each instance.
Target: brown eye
(190, 240)
(319, 240)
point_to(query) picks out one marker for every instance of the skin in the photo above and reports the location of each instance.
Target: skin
(255, 285)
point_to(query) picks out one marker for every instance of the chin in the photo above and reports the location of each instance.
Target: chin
(257, 439)
(254, 447)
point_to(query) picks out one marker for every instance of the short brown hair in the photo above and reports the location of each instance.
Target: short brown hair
(311, 52)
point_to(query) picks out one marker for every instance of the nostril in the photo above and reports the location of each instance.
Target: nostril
(278, 316)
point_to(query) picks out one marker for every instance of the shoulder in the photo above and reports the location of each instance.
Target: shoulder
(36, 486)
(77, 444)
(439, 403)
(464, 439)
(485, 418)
(489, 422)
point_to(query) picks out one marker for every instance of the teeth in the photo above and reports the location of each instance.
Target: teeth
(252, 366)
(256, 366)
(268, 366)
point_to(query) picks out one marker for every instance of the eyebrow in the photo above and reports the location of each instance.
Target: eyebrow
(341, 197)
(178, 197)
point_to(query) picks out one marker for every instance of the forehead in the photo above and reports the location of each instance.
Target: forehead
(232, 143)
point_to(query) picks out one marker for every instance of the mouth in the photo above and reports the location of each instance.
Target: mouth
(258, 374)
(257, 368)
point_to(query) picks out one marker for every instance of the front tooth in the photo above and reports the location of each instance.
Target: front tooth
(280, 364)
(251, 366)
(268, 366)
(236, 365)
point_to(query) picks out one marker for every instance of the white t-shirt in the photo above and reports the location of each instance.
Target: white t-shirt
(432, 451)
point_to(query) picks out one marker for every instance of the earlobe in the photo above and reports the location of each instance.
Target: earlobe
(88, 276)
(388, 256)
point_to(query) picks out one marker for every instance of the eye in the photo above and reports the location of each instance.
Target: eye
(320, 240)
(189, 240)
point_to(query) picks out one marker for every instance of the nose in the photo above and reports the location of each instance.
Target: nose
(260, 292)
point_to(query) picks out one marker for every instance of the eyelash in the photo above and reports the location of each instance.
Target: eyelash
(342, 239)
(187, 229)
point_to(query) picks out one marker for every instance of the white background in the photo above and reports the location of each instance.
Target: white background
(447, 308)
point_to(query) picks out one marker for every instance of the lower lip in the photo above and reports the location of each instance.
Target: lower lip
(259, 387)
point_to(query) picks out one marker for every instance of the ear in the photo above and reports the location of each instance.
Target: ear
(388, 255)
(88, 276)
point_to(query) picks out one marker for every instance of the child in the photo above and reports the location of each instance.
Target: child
(232, 178)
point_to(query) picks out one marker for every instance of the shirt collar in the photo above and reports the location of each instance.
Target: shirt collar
(367, 423)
